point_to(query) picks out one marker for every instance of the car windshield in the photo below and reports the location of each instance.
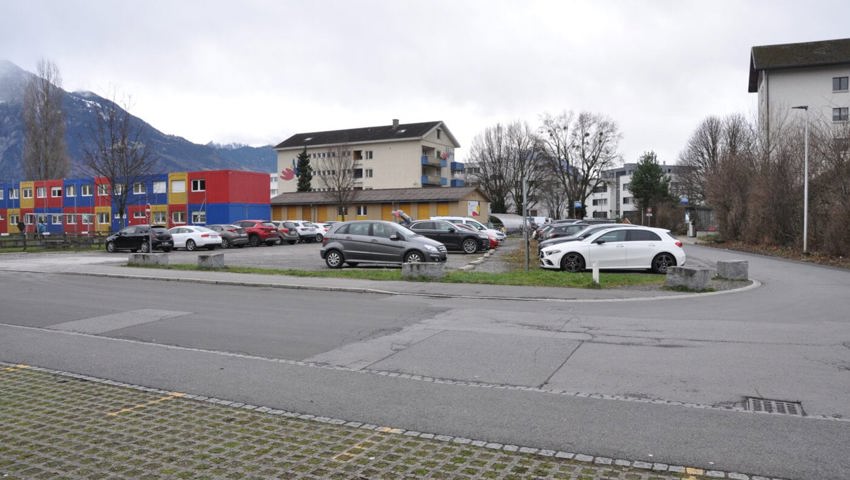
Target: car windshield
(405, 231)
(268, 224)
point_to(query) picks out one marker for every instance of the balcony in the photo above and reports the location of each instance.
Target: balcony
(457, 167)
(433, 180)
(457, 182)
(432, 161)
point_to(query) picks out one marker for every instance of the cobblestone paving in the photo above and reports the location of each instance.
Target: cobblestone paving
(55, 425)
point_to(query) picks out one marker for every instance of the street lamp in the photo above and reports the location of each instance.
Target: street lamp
(805, 180)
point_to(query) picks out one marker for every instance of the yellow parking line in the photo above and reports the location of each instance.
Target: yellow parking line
(16, 367)
(170, 396)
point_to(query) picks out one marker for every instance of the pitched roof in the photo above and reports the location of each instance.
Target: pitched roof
(401, 195)
(384, 133)
(797, 55)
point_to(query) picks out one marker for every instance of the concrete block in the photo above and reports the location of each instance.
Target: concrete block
(688, 277)
(434, 270)
(733, 270)
(143, 259)
(211, 260)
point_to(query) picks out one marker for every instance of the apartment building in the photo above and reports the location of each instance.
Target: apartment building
(411, 155)
(613, 199)
(813, 74)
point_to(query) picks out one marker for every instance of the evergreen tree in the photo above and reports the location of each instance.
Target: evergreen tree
(649, 186)
(304, 171)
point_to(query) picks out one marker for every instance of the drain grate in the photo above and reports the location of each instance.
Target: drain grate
(782, 407)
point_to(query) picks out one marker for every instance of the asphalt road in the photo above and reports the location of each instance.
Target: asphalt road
(657, 381)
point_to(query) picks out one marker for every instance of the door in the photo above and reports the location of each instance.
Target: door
(641, 247)
(609, 250)
(387, 249)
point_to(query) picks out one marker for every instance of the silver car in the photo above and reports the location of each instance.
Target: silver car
(377, 241)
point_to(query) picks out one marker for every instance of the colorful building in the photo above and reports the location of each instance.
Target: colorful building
(85, 206)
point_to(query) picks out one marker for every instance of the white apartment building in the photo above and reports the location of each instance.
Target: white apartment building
(613, 199)
(812, 74)
(412, 155)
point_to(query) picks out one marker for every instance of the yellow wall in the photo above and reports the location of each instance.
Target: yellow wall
(27, 202)
(178, 198)
(443, 209)
(11, 227)
(101, 227)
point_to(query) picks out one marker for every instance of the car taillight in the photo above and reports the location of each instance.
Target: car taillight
(205, 235)
(678, 244)
(324, 241)
(284, 230)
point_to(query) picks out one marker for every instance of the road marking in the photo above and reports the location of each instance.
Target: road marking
(170, 396)
(16, 367)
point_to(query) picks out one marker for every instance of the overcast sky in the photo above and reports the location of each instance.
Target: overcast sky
(256, 72)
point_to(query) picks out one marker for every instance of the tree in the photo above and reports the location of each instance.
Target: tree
(489, 153)
(45, 153)
(115, 149)
(337, 176)
(577, 149)
(304, 171)
(523, 165)
(649, 186)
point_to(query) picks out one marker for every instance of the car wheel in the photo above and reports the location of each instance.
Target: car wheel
(662, 261)
(225, 243)
(254, 240)
(110, 247)
(334, 259)
(414, 256)
(572, 262)
(470, 245)
(146, 248)
(190, 245)
(319, 238)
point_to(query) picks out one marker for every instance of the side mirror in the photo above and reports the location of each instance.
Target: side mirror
(599, 242)
(395, 237)
(452, 230)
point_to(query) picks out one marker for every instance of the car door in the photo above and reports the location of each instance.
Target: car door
(387, 249)
(357, 242)
(447, 234)
(179, 236)
(608, 249)
(427, 229)
(641, 247)
(127, 239)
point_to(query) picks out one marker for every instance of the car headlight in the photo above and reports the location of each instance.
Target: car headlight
(431, 248)
(548, 253)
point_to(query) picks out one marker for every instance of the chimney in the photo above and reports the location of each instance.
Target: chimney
(395, 123)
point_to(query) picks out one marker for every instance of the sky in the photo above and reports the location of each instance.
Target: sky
(257, 71)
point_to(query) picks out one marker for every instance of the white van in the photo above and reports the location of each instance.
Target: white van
(474, 223)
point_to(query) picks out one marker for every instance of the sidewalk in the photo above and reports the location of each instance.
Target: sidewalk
(60, 425)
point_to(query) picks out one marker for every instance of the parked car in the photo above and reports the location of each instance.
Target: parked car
(259, 232)
(231, 235)
(287, 232)
(621, 248)
(474, 223)
(585, 232)
(307, 232)
(562, 230)
(377, 241)
(494, 242)
(140, 238)
(452, 236)
(192, 237)
(321, 230)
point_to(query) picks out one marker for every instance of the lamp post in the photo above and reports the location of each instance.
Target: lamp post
(805, 179)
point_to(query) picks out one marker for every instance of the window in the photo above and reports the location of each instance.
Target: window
(643, 236)
(139, 188)
(439, 132)
(56, 219)
(102, 190)
(118, 190)
(13, 219)
(87, 218)
(382, 230)
(138, 214)
(40, 192)
(178, 217)
(13, 194)
(56, 192)
(368, 154)
(358, 173)
(71, 191)
(626, 186)
(29, 218)
(1, 194)
(627, 200)
(85, 190)
(159, 187)
(199, 185)
(159, 218)
(614, 236)
(27, 192)
(71, 219)
(178, 186)
(199, 217)
(368, 173)
(361, 210)
(600, 202)
(840, 114)
(342, 211)
(103, 218)
(839, 84)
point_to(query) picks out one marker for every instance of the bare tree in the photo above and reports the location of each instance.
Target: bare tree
(490, 154)
(116, 150)
(577, 149)
(700, 158)
(525, 165)
(338, 176)
(45, 152)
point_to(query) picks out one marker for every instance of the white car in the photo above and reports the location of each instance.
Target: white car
(307, 232)
(322, 230)
(192, 237)
(618, 248)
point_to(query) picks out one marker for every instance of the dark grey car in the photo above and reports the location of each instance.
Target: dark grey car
(453, 237)
(231, 235)
(377, 241)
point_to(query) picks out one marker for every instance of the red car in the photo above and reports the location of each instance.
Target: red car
(260, 231)
(494, 242)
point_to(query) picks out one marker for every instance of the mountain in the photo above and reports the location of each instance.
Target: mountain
(175, 154)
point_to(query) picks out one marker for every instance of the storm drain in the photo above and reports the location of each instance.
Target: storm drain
(782, 407)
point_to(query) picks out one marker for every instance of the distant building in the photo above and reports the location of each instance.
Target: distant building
(411, 155)
(812, 74)
(613, 198)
